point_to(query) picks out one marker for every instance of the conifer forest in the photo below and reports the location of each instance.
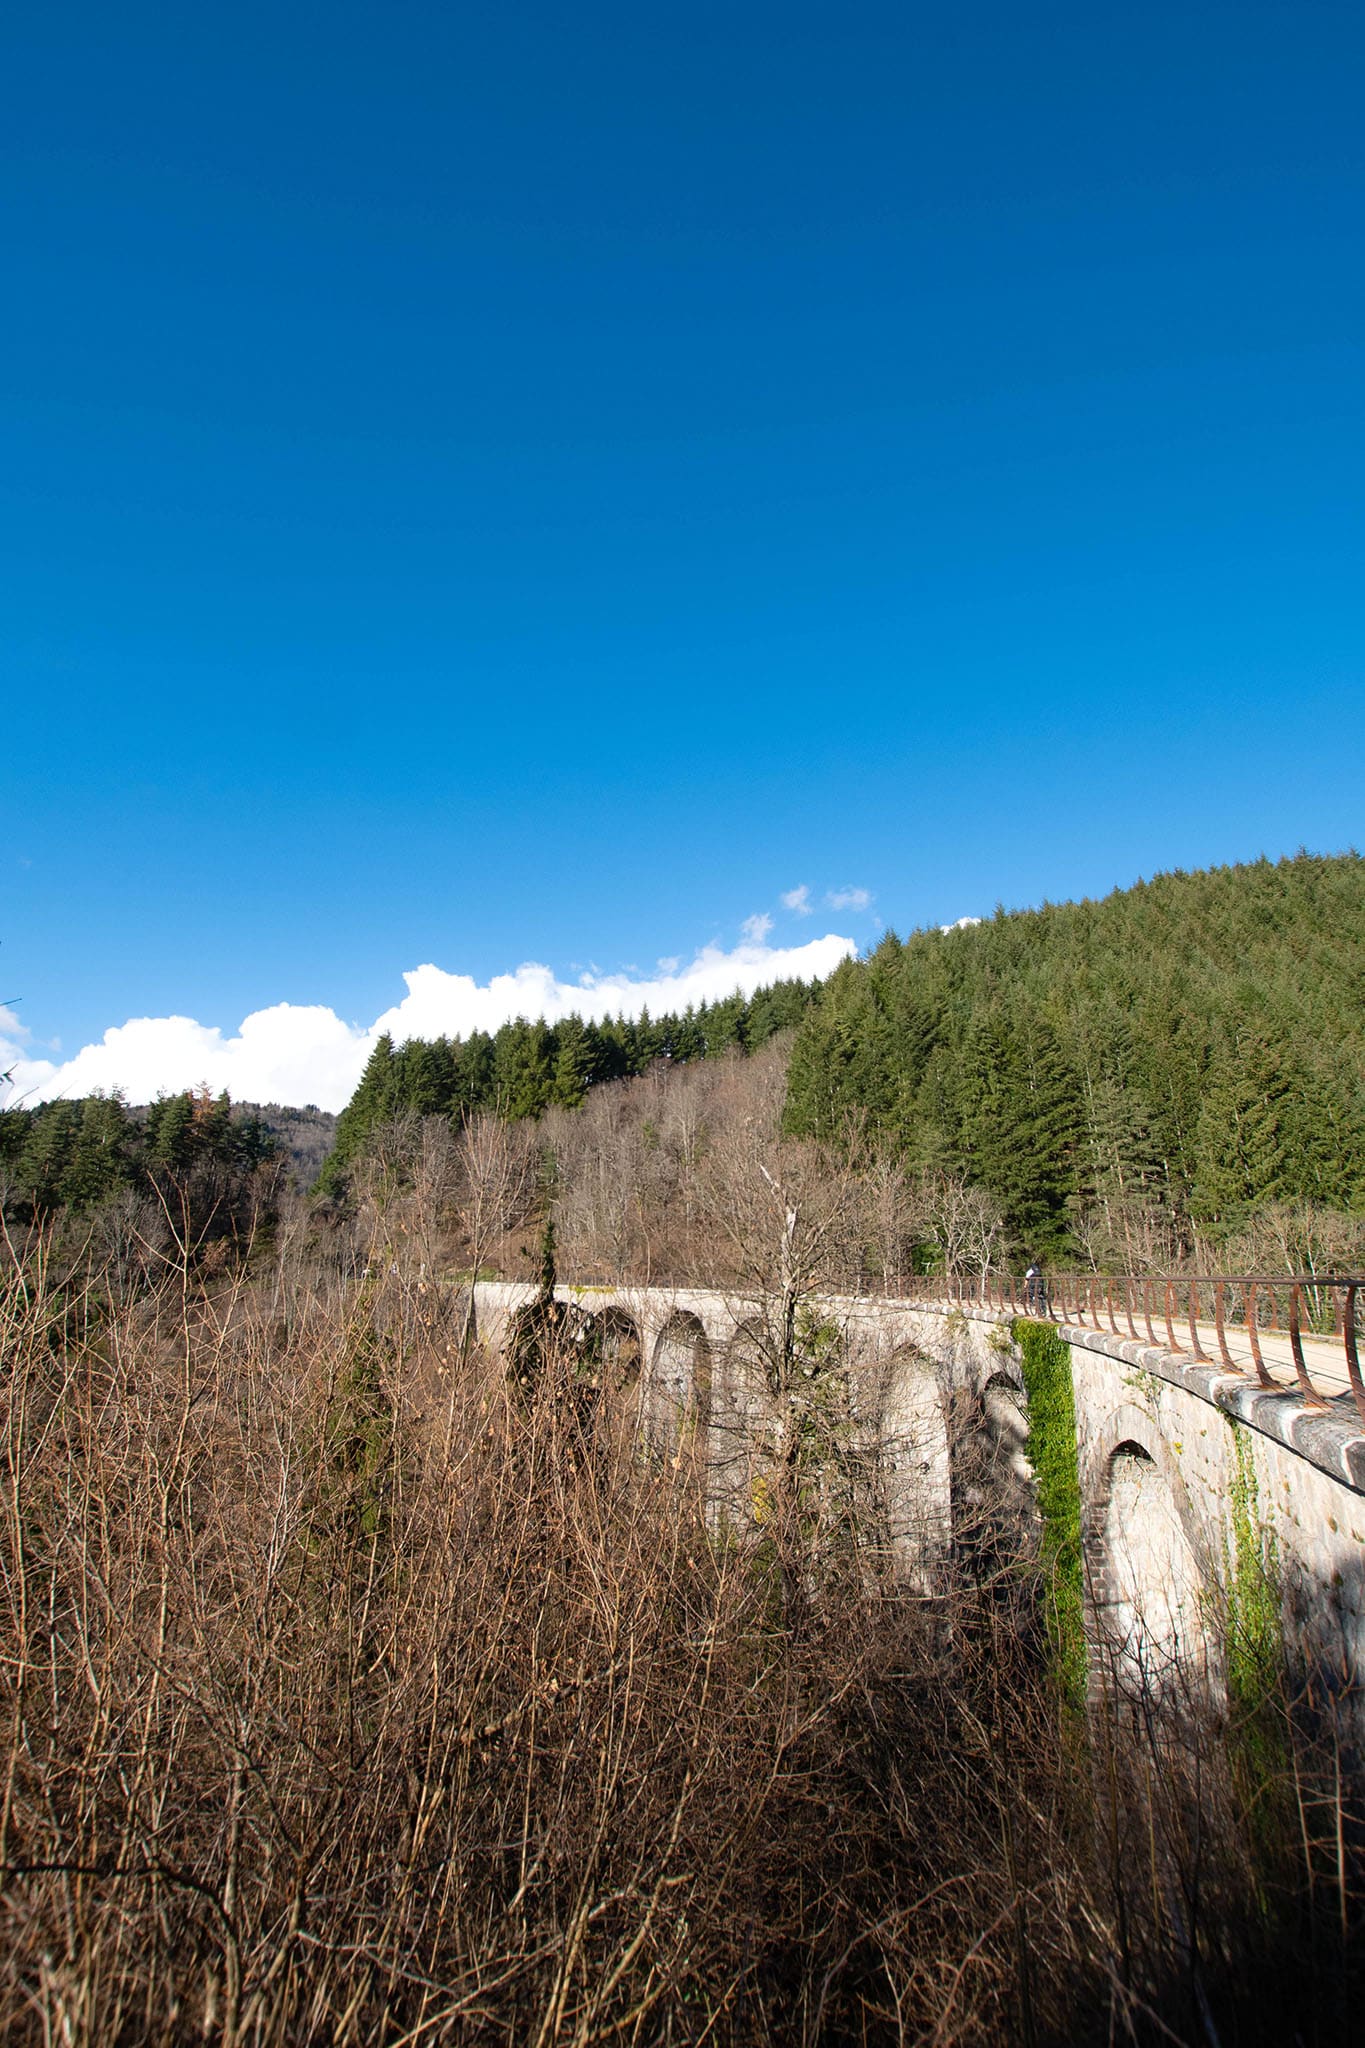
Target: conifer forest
(361, 1684)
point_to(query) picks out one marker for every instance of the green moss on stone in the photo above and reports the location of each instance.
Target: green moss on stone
(1052, 1450)
(1255, 1640)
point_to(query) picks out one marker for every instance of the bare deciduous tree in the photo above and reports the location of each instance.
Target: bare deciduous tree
(782, 1214)
(606, 1195)
(1297, 1237)
(966, 1223)
(892, 1219)
(1130, 1236)
(495, 1176)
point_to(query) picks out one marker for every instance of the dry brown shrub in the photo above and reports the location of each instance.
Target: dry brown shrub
(348, 1695)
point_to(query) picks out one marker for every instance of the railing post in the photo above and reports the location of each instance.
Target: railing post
(1170, 1323)
(1348, 1328)
(1147, 1311)
(1192, 1302)
(1128, 1307)
(1254, 1334)
(1219, 1323)
(1309, 1391)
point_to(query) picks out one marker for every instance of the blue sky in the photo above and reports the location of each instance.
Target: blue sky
(537, 484)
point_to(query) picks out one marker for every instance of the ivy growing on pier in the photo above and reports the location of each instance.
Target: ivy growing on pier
(1253, 1625)
(1052, 1450)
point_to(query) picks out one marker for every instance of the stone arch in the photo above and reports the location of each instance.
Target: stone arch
(1149, 1586)
(545, 1336)
(914, 1466)
(615, 1339)
(749, 1366)
(1004, 1406)
(994, 1498)
(749, 1357)
(742, 1414)
(680, 1373)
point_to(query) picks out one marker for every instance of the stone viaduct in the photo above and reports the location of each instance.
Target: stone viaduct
(1190, 1476)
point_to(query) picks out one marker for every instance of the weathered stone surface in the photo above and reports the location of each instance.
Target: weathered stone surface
(1158, 1462)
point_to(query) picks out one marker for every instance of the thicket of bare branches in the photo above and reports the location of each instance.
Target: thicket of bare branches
(649, 1177)
(349, 1693)
(346, 1696)
(685, 1175)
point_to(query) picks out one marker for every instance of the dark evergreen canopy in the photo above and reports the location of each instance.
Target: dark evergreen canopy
(1197, 1042)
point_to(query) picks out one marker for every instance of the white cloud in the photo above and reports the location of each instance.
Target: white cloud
(849, 898)
(757, 927)
(294, 1052)
(798, 900)
(291, 1052)
(668, 963)
(960, 925)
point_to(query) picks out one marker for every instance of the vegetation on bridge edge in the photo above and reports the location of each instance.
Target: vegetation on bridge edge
(1052, 1448)
(1253, 1620)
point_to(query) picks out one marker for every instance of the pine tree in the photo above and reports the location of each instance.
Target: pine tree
(173, 1146)
(574, 1063)
(475, 1071)
(1243, 1155)
(373, 1102)
(524, 1067)
(49, 1144)
(1021, 1128)
(99, 1158)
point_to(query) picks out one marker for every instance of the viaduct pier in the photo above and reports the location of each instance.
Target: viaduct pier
(1209, 1445)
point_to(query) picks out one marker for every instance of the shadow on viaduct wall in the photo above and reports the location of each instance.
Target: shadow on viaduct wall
(1209, 1512)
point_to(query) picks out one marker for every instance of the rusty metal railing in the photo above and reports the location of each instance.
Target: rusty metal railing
(1184, 1312)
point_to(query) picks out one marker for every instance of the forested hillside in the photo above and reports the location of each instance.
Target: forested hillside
(525, 1068)
(76, 1154)
(306, 1136)
(1176, 1072)
(1125, 1076)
